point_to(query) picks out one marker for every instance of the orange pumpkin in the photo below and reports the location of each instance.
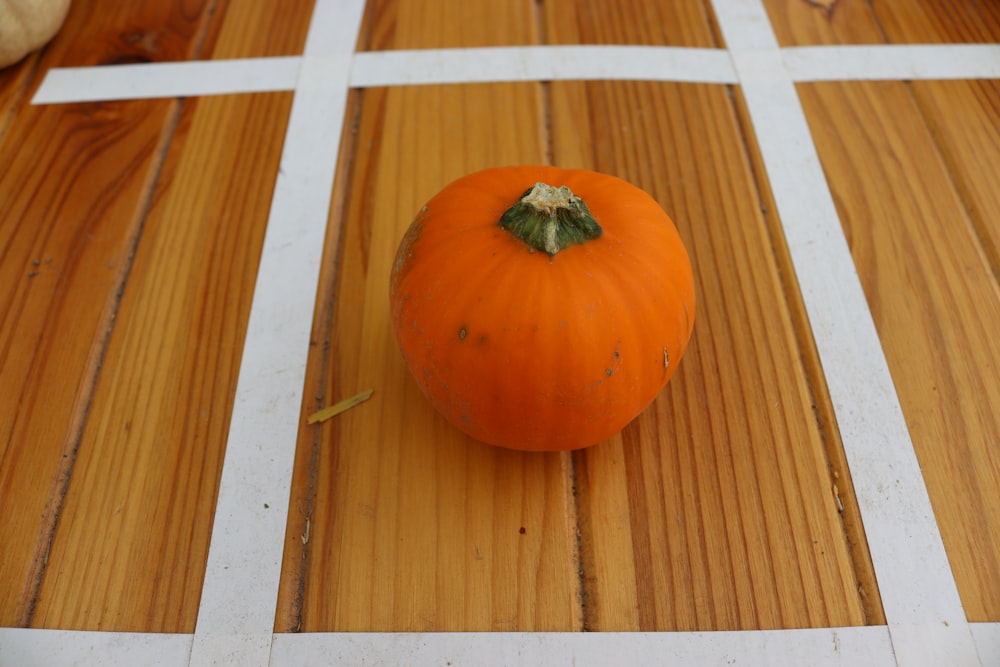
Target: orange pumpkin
(542, 308)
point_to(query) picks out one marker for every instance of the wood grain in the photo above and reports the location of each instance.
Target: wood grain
(442, 24)
(698, 517)
(938, 21)
(414, 526)
(924, 152)
(683, 23)
(247, 29)
(707, 554)
(129, 238)
(843, 485)
(147, 468)
(398, 521)
(807, 22)
(133, 534)
(811, 22)
(936, 304)
(715, 509)
(961, 117)
(302, 503)
(15, 81)
(64, 249)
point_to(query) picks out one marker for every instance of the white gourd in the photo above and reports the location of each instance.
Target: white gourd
(26, 25)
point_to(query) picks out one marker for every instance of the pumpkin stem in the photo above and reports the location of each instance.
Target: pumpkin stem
(550, 219)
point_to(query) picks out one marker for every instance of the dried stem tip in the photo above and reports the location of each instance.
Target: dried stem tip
(550, 219)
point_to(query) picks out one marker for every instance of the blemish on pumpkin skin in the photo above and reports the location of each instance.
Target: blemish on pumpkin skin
(616, 361)
(406, 246)
(462, 333)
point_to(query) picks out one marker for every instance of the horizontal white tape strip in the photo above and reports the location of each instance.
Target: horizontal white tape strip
(173, 79)
(387, 68)
(540, 63)
(890, 62)
(55, 648)
(820, 647)
(857, 647)
(520, 63)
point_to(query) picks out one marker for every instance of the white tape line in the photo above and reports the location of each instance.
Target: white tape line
(823, 647)
(520, 63)
(388, 68)
(857, 647)
(987, 636)
(174, 79)
(938, 61)
(854, 646)
(54, 648)
(540, 63)
(745, 25)
(919, 594)
(238, 600)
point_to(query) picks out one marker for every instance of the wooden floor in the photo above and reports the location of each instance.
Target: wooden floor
(131, 233)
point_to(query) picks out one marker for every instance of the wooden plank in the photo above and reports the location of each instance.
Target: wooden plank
(716, 509)
(147, 468)
(398, 521)
(684, 23)
(636, 480)
(962, 118)
(723, 585)
(937, 21)
(961, 115)
(808, 22)
(442, 24)
(242, 29)
(133, 536)
(15, 81)
(75, 182)
(812, 22)
(934, 165)
(843, 489)
(935, 299)
(413, 526)
(298, 533)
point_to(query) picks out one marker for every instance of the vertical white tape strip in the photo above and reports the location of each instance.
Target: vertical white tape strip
(926, 620)
(237, 611)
